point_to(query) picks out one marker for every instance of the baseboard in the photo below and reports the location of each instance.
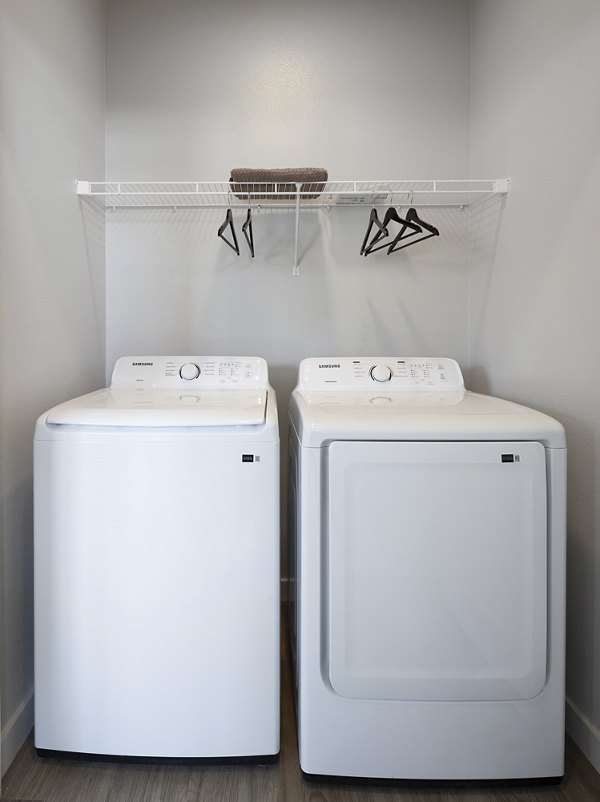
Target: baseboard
(584, 733)
(16, 729)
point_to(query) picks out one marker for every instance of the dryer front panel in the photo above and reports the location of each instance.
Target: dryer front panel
(435, 570)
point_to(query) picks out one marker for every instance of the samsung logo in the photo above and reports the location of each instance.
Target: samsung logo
(330, 366)
(142, 364)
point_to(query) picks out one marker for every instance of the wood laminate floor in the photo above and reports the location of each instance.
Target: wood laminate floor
(49, 780)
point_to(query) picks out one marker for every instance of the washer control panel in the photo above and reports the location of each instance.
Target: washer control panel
(190, 371)
(394, 373)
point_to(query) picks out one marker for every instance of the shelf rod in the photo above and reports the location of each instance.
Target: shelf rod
(278, 208)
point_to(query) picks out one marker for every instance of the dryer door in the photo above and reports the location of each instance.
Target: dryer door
(436, 570)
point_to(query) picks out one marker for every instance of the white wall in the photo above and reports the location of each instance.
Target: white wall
(535, 280)
(52, 295)
(375, 90)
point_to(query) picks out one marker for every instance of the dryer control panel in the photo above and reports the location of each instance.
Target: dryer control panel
(190, 371)
(393, 373)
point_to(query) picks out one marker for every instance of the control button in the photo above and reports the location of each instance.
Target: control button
(381, 373)
(189, 371)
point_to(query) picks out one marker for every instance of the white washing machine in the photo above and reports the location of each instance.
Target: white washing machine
(157, 564)
(428, 575)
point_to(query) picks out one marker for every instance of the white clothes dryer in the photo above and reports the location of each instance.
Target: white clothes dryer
(157, 564)
(427, 575)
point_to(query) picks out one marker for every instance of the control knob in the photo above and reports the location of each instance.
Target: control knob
(189, 371)
(381, 373)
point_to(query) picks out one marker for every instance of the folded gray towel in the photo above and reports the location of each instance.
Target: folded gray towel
(246, 182)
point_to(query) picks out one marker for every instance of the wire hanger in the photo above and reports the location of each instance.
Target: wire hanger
(413, 218)
(392, 214)
(229, 222)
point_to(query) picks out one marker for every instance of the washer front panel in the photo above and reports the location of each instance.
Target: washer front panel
(157, 598)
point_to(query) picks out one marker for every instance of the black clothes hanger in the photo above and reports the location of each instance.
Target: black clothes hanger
(229, 222)
(413, 218)
(373, 220)
(392, 214)
(247, 230)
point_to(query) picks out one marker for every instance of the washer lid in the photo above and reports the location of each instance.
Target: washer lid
(151, 407)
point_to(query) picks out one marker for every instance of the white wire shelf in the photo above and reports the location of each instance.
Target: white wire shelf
(295, 196)
(197, 194)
